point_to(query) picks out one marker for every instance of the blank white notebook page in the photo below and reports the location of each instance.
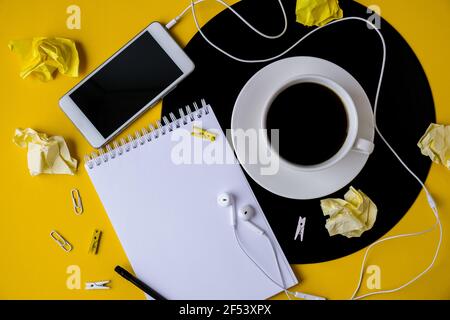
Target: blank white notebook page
(165, 213)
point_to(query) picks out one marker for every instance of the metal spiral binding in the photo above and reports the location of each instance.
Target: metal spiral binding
(145, 135)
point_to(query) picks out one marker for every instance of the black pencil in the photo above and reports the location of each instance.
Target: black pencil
(138, 283)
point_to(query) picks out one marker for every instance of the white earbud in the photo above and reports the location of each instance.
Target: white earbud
(246, 213)
(226, 200)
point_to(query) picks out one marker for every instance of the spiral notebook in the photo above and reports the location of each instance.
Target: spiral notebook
(161, 199)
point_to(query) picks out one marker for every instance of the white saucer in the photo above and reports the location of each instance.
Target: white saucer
(248, 113)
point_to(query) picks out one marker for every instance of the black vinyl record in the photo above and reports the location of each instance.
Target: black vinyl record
(406, 109)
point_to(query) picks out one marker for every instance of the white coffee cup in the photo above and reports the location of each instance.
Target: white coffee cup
(352, 142)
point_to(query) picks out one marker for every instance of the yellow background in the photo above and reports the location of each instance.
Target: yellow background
(33, 267)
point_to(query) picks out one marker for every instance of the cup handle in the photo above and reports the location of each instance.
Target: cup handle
(363, 146)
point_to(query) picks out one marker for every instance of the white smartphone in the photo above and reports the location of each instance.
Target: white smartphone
(135, 78)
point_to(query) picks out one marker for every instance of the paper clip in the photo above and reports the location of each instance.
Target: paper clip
(204, 134)
(63, 243)
(300, 228)
(95, 242)
(76, 200)
(98, 285)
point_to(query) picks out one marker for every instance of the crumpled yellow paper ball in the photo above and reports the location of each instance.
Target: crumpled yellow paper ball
(317, 12)
(45, 154)
(350, 217)
(435, 143)
(41, 56)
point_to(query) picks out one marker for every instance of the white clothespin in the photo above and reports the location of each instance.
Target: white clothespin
(98, 285)
(300, 228)
(306, 296)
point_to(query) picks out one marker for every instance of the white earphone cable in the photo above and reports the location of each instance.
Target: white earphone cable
(226, 5)
(242, 247)
(354, 297)
(430, 199)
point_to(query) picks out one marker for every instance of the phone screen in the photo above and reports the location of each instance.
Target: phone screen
(126, 84)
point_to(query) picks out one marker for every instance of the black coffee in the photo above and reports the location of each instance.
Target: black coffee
(312, 121)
